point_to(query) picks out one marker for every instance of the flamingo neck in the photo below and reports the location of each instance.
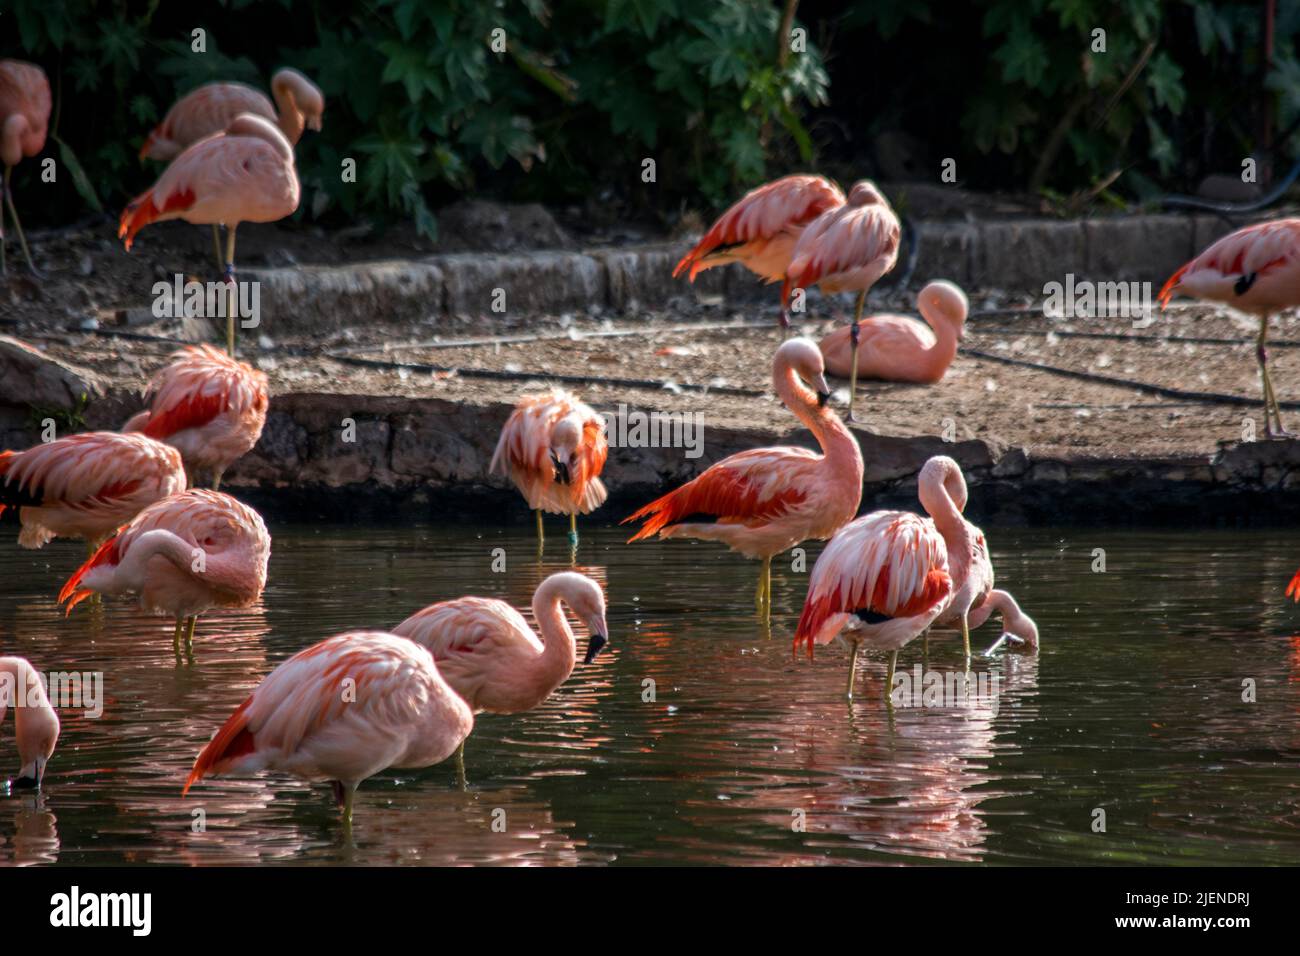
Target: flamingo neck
(835, 439)
(947, 333)
(132, 570)
(559, 648)
(289, 117)
(940, 506)
(34, 718)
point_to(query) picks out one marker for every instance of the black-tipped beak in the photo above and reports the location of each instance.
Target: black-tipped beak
(823, 398)
(593, 647)
(25, 783)
(561, 469)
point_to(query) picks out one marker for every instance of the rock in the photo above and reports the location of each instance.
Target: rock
(475, 224)
(529, 282)
(29, 378)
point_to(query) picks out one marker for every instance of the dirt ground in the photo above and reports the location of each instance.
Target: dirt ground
(684, 361)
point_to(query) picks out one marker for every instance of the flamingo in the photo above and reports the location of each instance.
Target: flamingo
(553, 448)
(760, 230)
(763, 501)
(342, 710)
(87, 485)
(1017, 626)
(847, 249)
(36, 725)
(1257, 270)
(895, 348)
(24, 120)
(207, 405)
(885, 577)
(490, 656)
(184, 556)
(1293, 589)
(210, 109)
(244, 174)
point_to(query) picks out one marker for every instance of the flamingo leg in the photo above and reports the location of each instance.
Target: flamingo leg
(216, 479)
(1271, 405)
(460, 767)
(349, 792)
(233, 294)
(216, 246)
(91, 547)
(763, 594)
(573, 527)
(176, 636)
(18, 226)
(853, 668)
(854, 334)
(189, 634)
(925, 646)
(540, 536)
(965, 638)
(889, 678)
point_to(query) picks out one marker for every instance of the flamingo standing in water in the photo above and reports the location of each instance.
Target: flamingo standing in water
(209, 406)
(184, 556)
(1017, 626)
(763, 501)
(884, 577)
(86, 486)
(553, 448)
(847, 249)
(895, 348)
(760, 230)
(490, 656)
(244, 174)
(212, 107)
(24, 120)
(36, 725)
(342, 710)
(1257, 270)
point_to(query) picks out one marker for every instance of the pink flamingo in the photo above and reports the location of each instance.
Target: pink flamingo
(209, 406)
(490, 656)
(86, 486)
(895, 348)
(24, 120)
(212, 107)
(184, 556)
(1017, 626)
(1257, 270)
(342, 710)
(553, 448)
(244, 174)
(36, 725)
(763, 501)
(847, 249)
(885, 577)
(760, 230)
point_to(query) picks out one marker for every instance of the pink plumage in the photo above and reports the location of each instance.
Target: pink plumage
(24, 110)
(342, 710)
(36, 725)
(183, 556)
(761, 229)
(942, 490)
(846, 248)
(553, 448)
(895, 348)
(491, 657)
(86, 485)
(209, 406)
(212, 107)
(1015, 621)
(244, 174)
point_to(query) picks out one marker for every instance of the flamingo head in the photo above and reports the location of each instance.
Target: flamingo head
(35, 747)
(865, 193)
(804, 358)
(945, 302)
(587, 601)
(942, 471)
(565, 438)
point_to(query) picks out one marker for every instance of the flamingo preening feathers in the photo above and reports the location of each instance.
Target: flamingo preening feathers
(763, 501)
(1257, 270)
(760, 229)
(24, 122)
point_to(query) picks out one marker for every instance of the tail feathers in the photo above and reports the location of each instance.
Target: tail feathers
(656, 514)
(232, 741)
(1293, 589)
(1168, 289)
(687, 262)
(106, 553)
(148, 144)
(141, 211)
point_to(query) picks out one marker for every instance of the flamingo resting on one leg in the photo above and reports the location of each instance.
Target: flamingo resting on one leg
(490, 656)
(763, 501)
(1257, 270)
(36, 725)
(760, 230)
(884, 578)
(24, 121)
(847, 249)
(342, 710)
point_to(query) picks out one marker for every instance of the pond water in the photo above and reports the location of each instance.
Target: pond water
(744, 755)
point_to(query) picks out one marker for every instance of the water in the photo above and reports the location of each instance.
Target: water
(1133, 706)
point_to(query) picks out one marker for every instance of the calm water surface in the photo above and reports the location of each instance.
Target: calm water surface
(1134, 706)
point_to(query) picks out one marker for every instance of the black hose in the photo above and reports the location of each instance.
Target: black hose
(1209, 205)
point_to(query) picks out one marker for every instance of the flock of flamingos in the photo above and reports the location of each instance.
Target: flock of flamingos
(359, 702)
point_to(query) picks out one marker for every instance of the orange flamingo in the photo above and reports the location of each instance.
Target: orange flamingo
(207, 405)
(847, 249)
(885, 578)
(1257, 270)
(763, 501)
(24, 120)
(212, 107)
(342, 710)
(761, 229)
(895, 348)
(1293, 589)
(553, 448)
(245, 174)
(86, 486)
(490, 656)
(184, 556)
(36, 725)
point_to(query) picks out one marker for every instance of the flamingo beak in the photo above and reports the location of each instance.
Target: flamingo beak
(561, 469)
(823, 390)
(594, 645)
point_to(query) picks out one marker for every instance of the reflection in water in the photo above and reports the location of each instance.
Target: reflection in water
(698, 736)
